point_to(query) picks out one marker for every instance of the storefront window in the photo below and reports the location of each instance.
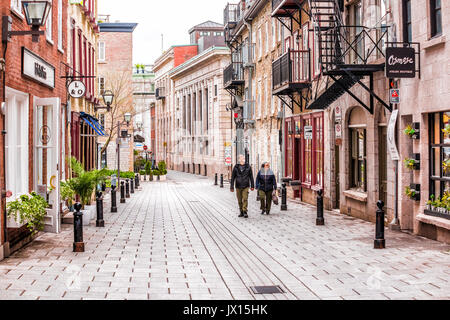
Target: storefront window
(318, 125)
(439, 153)
(307, 151)
(289, 154)
(358, 170)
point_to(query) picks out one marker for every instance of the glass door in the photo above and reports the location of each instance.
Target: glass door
(47, 158)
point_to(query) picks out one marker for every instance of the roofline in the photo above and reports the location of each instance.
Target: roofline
(198, 58)
(167, 54)
(117, 26)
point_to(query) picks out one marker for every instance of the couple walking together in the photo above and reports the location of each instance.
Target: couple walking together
(242, 178)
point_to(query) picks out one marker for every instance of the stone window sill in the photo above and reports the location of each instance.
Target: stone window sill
(357, 195)
(433, 42)
(439, 222)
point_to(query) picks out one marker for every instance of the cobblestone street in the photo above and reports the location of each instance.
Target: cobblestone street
(182, 239)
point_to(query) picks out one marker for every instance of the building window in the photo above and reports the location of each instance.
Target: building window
(16, 144)
(215, 90)
(101, 51)
(16, 5)
(436, 17)
(267, 37)
(259, 43)
(289, 153)
(102, 119)
(307, 151)
(101, 84)
(358, 169)
(439, 124)
(60, 25)
(49, 24)
(274, 34)
(407, 25)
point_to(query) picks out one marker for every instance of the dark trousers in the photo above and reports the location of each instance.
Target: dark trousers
(265, 197)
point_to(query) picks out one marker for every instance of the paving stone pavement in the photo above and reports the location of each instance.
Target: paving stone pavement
(182, 239)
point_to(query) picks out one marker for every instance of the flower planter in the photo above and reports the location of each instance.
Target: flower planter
(431, 211)
(163, 178)
(86, 217)
(416, 188)
(14, 223)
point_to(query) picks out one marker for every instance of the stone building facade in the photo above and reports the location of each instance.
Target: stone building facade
(115, 73)
(202, 121)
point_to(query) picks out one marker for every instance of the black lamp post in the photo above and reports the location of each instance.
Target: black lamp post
(108, 98)
(127, 120)
(35, 12)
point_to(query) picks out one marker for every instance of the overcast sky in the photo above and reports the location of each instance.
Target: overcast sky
(173, 18)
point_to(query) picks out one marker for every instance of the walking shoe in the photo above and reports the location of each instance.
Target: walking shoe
(245, 215)
(262, 212)
(242, 214)
(267, 212)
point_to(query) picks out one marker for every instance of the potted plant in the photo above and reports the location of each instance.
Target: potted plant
(148, 170)
(162, 170)
(67, 194)
(412, 130)
(156, 173)
(29, 210)
(411, 193)
(409, 163)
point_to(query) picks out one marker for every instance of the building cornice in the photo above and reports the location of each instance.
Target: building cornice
(117, 27)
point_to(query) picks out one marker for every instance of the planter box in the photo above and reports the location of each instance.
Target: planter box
(436, 214)
(163, 178)
(416, 127)
(13, 223)
(86, 217)
(415, 187)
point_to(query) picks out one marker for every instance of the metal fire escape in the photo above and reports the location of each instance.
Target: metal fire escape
(347, 54)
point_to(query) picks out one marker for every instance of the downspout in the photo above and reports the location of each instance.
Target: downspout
(3, 182)
(250, 86)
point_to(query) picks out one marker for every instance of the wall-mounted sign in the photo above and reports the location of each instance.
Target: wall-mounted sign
(338, 113)
(228, 154)
(76, 89)
(394, 95)
(37, 69)
(400, 62)
(308, 130)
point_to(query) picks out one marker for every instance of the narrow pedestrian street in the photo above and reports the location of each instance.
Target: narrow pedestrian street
(182, 239)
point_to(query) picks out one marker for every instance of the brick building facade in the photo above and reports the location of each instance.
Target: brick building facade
(115, 73)
(32, 150)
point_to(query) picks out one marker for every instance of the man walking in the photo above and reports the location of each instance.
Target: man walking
(243, 177)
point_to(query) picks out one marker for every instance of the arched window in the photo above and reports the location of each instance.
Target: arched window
(358, 152)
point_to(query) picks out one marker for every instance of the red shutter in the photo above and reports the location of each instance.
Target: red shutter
(80, 53)
(89, 72)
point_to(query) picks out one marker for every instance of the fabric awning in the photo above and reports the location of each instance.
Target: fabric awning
(93, 123)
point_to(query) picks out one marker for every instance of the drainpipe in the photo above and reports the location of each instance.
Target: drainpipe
(3, 138)
(250, 86)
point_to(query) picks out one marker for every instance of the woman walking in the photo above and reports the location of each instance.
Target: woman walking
(266, 184)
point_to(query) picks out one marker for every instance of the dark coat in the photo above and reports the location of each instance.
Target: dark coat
(266, 182)
(242, 176)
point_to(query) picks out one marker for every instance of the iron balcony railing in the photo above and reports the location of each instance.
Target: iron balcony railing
(234, 72)
(292, 67)
(232, 14)
(160, 93)
(356, 45)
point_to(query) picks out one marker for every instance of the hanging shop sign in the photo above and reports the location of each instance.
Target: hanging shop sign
(308, 130)
(392, 147)
(394, 96)
(400, 62)
(338, 113)
(37, 69)
(338, 133)
(76, 89)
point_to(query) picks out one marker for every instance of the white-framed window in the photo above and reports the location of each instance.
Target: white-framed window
(101, 84)
(259, 98)
(16, 143)
(49, 24)
(260, 49)
(101, 51)
(280, 31)
(274, 34)
(16, 5)
(60, 25)
(265, 96)
(267, 37)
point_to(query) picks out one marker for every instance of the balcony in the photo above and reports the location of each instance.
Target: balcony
(232, 15)
(160, 93)
(248, 55)
(284, 8)
(233, 75)
(291, 72)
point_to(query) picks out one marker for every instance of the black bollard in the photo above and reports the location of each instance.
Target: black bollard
(103, 187)
(78, 244)
(136, 180)
(379, 242)
(320, 221)
(283, 197)
(215, 180)
(127, 188)
(100, 223)
(113, 199)
(221, 180)
(122, 191)
(132, 185)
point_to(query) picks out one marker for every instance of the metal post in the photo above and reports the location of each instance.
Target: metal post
(122, 191)
(221, 180)
(131, 185)
(320, 221)
(379, 242)
(136, 180)
(78, 244)
(127, 188)
(283, 197)
(118, 155)
(100, 222)
(113, 199)
(215, 180)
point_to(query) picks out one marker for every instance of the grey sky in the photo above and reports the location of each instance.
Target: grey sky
(173, 18)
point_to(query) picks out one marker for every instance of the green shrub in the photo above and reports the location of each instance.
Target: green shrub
(67, 193)
(156, 172)
(162, 167)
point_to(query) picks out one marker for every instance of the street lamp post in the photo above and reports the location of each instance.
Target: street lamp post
(127, 120)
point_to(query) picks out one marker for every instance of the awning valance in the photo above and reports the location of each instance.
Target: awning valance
(93, 123)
